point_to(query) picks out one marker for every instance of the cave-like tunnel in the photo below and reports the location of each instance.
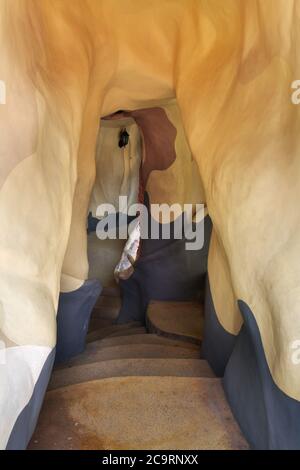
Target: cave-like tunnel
(150, 231)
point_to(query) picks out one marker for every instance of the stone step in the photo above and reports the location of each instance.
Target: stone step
(111, 291)
(159, 413)
(108, 301)
(130, 367)
(141, 339)
(130, 351)
(97, 323)
(107, 307)
(179, 320)
(113, 330)
(130, 331)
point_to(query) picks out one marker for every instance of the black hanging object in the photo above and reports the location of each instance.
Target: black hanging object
(123, 138)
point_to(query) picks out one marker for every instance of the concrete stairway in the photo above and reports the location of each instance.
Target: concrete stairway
(135, 390)
(179, 320)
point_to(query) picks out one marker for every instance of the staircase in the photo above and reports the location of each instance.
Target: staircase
(134, 388)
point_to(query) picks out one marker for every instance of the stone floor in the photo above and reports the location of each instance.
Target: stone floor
(135, 390)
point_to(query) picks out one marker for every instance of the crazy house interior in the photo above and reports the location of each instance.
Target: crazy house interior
(114, 334)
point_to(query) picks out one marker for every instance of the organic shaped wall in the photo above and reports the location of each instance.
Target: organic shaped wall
(230, 66)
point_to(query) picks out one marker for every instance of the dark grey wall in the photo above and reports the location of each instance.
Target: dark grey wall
(217, 343)
(73, 317)
(164, 271)
(268, 418)
(27, 420)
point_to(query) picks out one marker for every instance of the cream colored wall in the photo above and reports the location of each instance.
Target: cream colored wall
(117, 169)
(40, 134)
(35, 199)
(243, 129)
(224, 298)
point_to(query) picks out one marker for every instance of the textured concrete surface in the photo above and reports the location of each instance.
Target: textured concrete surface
(182, 320)
(97, 323)
(112, 290)
(133, 351)
(132, 390)
(130, 331)
(115, 330)
(130, 367)
(107, 307)
(138, 413)
(140, 339)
